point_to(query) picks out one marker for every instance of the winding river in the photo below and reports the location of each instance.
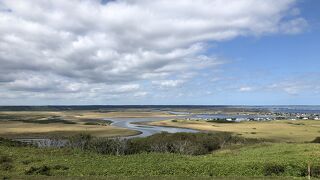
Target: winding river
(127, 123)
(146, 130)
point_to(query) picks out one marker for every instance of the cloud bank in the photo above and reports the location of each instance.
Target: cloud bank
(89, 50)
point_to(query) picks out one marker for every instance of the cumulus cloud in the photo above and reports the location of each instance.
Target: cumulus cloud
(94, 48)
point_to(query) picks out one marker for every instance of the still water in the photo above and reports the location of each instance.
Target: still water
(145, 129)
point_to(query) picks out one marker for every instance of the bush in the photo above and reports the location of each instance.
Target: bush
(80, 141)
(60, 167)
(11, 143)
(55, 142)
(314, 171)
(273, 170)
(181, 143)
(6, 166)
(91, 123)
(108, 146)
(42, 170)
(5, 178)
(5, 159)
(26, 162)
(98, 122)
(6, 163)
(316, 140)
(137, 145)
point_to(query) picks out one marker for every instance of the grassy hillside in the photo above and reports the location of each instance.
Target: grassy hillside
(278, 159)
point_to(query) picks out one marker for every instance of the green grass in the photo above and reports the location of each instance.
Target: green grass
(250, 161)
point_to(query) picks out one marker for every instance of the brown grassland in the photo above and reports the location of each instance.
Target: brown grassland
(278, 131)
(30, 124)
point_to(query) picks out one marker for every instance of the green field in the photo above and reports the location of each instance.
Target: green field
(279, 159)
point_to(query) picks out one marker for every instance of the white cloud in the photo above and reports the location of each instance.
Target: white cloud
(296, 85)
(168, 83)
(86, 47)
(294, 26)
(245, 89)
(290, 88)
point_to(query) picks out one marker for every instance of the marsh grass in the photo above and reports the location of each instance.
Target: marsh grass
(49, 121)
(34, 124)
(278, 131)
(97, 122)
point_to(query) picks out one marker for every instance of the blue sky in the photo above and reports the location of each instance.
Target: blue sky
(240, 52)
(259, 62)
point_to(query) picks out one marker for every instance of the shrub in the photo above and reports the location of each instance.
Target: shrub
(6, 166)
(5, 159)
(181, 143)
(273, 170)
(80, 141)
(137, 145)
(98, 122)
(26, 162)
(60, 167)
(6, 163)
(314, 171)
(91, 123)
(5, 178)
(42, 170)
(108, 146)
(11, 143)
(316, 140)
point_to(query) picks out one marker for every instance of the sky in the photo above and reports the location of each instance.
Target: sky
(142, 52)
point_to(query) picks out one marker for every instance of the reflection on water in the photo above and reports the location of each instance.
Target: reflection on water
(146, 130)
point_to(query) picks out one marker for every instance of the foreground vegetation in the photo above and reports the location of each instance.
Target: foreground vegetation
(180, 143)
(277, 131)
(234, 160)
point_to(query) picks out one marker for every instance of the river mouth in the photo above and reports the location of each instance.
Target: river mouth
(146, 130)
